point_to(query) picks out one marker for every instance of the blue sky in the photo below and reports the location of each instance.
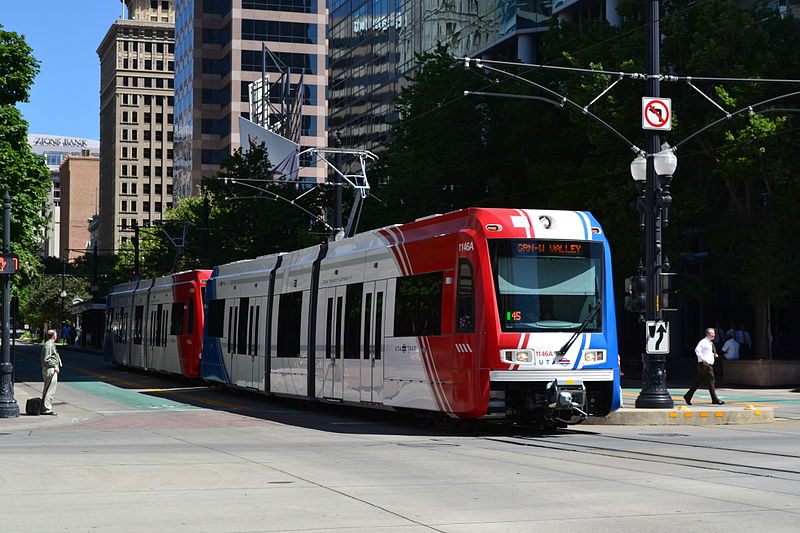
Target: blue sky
(64, 35)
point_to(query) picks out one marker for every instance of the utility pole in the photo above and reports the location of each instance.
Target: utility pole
(654, 392)
(8, 405)
(337, 183)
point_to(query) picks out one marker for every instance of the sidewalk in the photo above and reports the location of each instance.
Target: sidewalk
(68, 413)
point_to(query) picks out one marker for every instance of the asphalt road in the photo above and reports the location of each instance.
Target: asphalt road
(131, 452)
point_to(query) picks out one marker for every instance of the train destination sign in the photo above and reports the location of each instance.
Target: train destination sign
(553, 248)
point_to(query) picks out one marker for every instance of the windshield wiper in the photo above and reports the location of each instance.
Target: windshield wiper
(589, 318)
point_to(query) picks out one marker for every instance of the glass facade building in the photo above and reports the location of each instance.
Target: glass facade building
(373, 44)
(218, 53)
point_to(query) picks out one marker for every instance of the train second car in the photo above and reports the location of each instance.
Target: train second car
(478, 314)
(157, 324)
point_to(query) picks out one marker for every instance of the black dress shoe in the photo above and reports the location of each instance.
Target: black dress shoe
(718, 402)
(687, 400)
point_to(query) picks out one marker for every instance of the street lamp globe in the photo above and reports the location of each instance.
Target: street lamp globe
(665, 161)
(63, 293)
(639, 168)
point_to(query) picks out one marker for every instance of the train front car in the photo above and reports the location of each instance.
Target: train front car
(551, 347)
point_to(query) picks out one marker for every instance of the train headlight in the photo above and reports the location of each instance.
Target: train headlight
(519, 357)
(594, 356)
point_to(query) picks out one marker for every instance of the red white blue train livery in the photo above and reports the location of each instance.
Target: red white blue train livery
(477, 314)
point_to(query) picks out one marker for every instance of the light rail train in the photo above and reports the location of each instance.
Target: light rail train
(477, 314)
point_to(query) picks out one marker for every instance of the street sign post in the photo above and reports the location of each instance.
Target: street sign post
(657, 336)
(657, 114)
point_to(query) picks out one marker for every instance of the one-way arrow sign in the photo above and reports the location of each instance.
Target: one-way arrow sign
(657, 335)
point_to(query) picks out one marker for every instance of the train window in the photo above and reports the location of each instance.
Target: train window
(190, 318)
(465, 298)
(242, 342)
(367, 314)
(339, 305)
(159, 325)
(176, 324)
(254, 324)
(215, 321)
(545, 285)
(418, 305)
(164, 323)
(328, 329)
(352, 320)
(290, 307)
(232, 312)
(138, 324)
(152, 329)
(378, 324)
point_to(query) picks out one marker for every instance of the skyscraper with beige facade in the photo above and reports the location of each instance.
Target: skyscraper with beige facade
(218, 54)
(136, 116)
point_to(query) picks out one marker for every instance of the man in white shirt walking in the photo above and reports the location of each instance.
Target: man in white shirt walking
(705, 368)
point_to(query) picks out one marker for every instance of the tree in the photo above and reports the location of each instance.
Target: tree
(23, 173)
(449, 151)
(43, 304)
(245, 219)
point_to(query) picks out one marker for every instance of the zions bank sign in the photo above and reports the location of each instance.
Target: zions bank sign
(60, 142)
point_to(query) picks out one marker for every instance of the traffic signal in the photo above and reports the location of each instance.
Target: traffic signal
(636, 294)
(669, 290)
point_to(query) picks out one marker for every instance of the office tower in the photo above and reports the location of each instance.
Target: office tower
(136, 115)
(219, 53)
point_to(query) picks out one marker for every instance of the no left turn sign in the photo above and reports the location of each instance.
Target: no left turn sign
(657, 114)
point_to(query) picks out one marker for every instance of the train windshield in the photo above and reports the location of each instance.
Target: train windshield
(545, 285)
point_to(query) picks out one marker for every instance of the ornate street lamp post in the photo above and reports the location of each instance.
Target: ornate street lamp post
(653, 177)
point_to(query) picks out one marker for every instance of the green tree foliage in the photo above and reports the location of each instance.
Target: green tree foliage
(23, 173)
(244, 218)
(42, 302)
(735, 181)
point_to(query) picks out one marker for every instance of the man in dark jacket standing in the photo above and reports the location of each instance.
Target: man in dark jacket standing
(51, 367)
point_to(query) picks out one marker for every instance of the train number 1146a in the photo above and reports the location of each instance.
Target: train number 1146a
(466, 246)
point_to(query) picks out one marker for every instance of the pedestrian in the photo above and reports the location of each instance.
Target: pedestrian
(730, 349)
(51, 367)
(64, 332)
(705, 368)
(73, 334)
(746, 342)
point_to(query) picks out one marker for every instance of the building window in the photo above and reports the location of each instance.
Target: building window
(286, 32)
(297, 63)
(296, 6)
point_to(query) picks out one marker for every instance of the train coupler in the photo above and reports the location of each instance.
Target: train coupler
(566, 403)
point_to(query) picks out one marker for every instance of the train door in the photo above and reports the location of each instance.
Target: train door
(351, 342)
(332, 303)
(240, 337)
(372, 344)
